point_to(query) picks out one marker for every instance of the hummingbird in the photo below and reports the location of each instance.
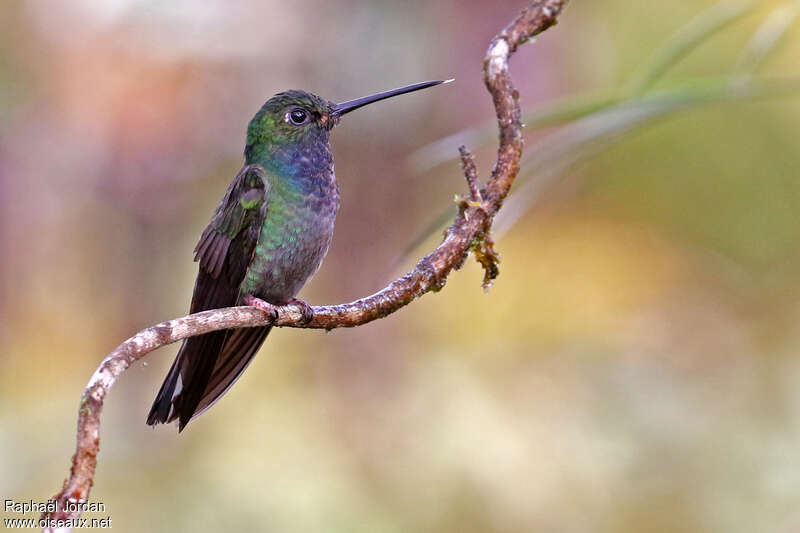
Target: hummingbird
(266, 239)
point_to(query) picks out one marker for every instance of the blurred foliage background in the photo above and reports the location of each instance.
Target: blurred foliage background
(633, 368)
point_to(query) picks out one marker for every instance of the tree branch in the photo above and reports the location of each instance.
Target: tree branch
(471, 173)
(469, 232)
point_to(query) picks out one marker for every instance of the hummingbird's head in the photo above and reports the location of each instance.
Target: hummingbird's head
(295, 118)
(289, 118)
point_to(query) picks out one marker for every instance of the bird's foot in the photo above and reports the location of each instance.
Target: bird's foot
(258, 303)
(306, 311)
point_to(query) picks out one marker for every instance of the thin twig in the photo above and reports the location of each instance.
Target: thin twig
(429, 274)
(471, 173)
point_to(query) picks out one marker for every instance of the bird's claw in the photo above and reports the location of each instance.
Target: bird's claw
(306, 311)
(267, 307)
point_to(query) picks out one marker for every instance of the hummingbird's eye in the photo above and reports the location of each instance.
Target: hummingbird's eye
(297, 116)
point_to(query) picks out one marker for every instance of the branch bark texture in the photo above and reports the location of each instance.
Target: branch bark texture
(469, 232)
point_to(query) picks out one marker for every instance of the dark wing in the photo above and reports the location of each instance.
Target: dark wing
(224, 252)
(226, 245)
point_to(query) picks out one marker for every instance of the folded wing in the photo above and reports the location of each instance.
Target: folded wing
(207, 365)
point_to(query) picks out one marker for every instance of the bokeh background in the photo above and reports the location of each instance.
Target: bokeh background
(635, 366)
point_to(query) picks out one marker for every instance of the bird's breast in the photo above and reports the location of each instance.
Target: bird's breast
(295, 236)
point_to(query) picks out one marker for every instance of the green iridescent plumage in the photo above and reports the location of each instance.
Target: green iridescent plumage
(265, 240)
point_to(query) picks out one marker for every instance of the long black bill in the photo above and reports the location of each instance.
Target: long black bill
(346, 107)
